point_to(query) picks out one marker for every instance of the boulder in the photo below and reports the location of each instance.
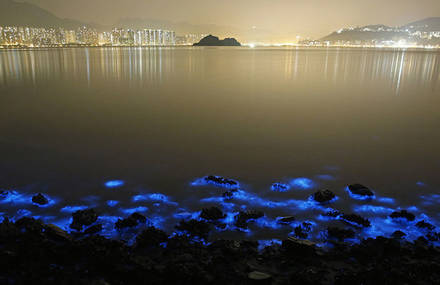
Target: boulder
(360, 190)
(299, 247)
(93, 229)
(55, 233)
(340, 234)
(150, 237)
(83, 218)
(356, 220)
(324, 196)
(398, 235)
(221, 181)
(195, 228)
(259, 277)
(131, 221)
(302, 231)
(40, 199)
(404, 214)
(287, 220)
(242, 219)
(425, 225)
(212, 214)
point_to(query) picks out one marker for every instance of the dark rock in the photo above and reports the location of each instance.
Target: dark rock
(83, 218)
(404, 214)
(259, 277)
(242, 219)
(332, 214)
(40, 199)
(195, 228)
(229, 194)
(279, 187)
(151, 237)
(212, 214)
(55, 233)
(324, 196)
(361, 190)
(299, 247)
(215, 41)
(287, 220)
(340, 234)
(425, 225)
(356, 220)
(131, 221)
(93, 229)
(302, 231)
(29, 225)
(398, 235)
(221, 181)
(433, 236)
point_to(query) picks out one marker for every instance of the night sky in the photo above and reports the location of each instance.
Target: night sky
(282, 18)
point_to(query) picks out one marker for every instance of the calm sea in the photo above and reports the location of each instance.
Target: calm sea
(159, 118)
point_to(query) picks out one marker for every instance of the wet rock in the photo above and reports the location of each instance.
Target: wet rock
(287, 220)
(212, 214)
(340, 234)
(93, 229)
(56, 233)
(360, 190)
(242, 219)
(259, 277)
(398, 235)
(332, 214)
(425, 225)
(221, 181)
(229, 194)
(404, 214)
(298, 247)
(302, 231)
(40, 199)
(356, 220)
(83, 218)
(131, 221)
(29, 225)
(195, 228)
(151, 237)
(324, 196)
(279, 187)
(433, 236)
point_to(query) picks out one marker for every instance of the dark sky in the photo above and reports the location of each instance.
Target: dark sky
(284, 18)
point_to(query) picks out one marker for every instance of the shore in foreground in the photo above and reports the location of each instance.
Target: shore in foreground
(32, 252)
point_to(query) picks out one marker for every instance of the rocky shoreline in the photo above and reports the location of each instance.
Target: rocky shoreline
(32, 252)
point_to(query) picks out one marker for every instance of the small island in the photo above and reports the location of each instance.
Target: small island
(215, 41)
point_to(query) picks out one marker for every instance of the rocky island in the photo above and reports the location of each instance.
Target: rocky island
(215, 41)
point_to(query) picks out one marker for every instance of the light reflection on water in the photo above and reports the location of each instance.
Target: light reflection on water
(146, 65)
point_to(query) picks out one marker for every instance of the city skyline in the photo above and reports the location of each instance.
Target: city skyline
(248, 20)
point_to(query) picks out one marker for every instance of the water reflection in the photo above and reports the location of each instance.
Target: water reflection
(142, 66)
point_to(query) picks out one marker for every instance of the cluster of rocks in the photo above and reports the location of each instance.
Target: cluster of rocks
(35, 253)
(221, 181)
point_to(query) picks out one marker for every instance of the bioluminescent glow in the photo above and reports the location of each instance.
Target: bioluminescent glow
(386, 200)
(130, 211)
(326, 177)
(72, 209)
(112, 203)
(114, 183)
(420, 184)
(302, 183)
(186, 215)
(153, 197)
(359, 197)
(372, 209)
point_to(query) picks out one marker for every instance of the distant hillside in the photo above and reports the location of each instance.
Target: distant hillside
(377, 33)
(24, 14)
(425, 25)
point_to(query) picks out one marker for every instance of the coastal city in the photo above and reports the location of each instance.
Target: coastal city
(368, 36)
(58, 37)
